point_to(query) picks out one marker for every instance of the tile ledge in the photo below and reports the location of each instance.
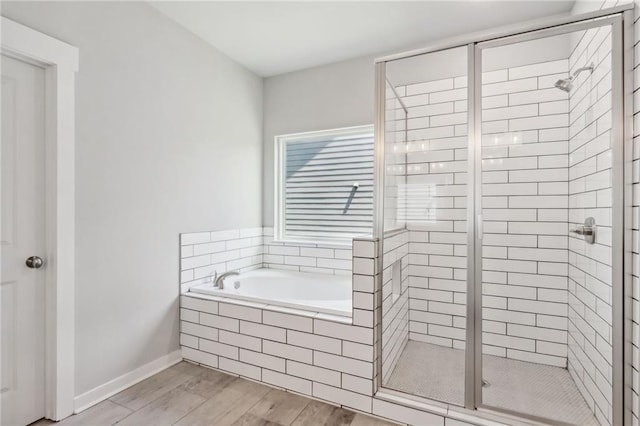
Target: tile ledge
(273, 308)
(201, 296)
(429, 406)
(476, 417)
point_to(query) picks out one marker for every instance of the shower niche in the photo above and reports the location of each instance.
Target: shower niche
(495, 154)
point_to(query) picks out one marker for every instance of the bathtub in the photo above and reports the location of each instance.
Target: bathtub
(329, 294)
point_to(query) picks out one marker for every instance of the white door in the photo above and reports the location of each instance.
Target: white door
(22, 233)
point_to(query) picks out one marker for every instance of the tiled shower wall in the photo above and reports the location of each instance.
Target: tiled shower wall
(575, 253)
(635, 331)
(590, 274)
(395, 161)
(395, 299)
(525, 211)
(524, 186)
(395, 268)
(435, 209)
(635, 360)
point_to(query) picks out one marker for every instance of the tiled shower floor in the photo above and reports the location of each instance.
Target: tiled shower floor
(436, 372)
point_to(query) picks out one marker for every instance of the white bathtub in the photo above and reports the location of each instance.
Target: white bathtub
(329, 294)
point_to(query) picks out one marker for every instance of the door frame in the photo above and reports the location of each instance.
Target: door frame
(60, 62)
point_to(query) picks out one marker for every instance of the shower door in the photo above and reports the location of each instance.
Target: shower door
(548, 152)
(500, 208)
(424, 236)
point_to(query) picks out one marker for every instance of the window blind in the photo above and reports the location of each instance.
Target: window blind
(328, 188)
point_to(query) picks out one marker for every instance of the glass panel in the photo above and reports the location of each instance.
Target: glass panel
(425, 250)
(546, 171)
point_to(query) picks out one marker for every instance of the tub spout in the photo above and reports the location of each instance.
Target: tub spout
(220, 279)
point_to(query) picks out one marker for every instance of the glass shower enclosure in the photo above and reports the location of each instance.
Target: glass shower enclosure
(500, 210)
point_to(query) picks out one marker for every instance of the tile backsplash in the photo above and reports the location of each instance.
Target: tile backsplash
(203, 253)
(318, 258)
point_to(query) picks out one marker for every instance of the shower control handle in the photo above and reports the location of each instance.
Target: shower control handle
(583, 230)
(588, 230)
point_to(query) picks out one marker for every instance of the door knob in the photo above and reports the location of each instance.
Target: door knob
(34, 262)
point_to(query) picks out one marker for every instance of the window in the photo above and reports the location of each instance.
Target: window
(324, 185)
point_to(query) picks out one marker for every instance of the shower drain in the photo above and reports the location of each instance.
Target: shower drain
(485, 384)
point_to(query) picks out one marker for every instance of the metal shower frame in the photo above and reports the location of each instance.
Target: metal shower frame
(620, 19)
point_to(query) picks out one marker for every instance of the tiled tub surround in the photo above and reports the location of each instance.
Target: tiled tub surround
(202, 253)
(590, 274)
(294, 350)
(324, 357)
(330, 294)
(304, 257)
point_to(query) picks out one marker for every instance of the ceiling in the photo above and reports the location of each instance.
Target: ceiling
(272, 38)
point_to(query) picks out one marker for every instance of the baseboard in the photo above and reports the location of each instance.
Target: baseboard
(112, 387)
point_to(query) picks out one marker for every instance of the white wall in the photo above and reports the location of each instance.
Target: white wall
(327, 97)
(157, 109)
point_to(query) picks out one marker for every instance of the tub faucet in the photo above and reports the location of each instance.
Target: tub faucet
(219, 280)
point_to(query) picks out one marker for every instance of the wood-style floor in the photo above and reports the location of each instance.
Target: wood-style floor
(187, 394)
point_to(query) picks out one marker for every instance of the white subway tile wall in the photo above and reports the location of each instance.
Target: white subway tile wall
(316, 258)
(525, 187)
(635, 359)
(525, 201)
(307, 354)
(432, 204)
(395, 159)
(590, 277)
(395, 300)
(551, 174)
(204, 253)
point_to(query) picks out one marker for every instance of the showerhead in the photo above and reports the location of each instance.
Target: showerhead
(566, 84)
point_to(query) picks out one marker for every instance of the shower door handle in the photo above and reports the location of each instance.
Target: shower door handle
(479, 224)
